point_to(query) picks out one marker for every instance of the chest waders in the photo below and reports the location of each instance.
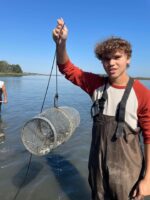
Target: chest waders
(116, 158)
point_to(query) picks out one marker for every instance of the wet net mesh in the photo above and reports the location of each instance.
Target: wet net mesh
(49, 129)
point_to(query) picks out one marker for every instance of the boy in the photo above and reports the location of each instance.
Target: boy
(120, 106)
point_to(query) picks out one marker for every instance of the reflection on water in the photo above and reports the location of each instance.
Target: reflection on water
(2, 131)
(62, 174)
(71, 182)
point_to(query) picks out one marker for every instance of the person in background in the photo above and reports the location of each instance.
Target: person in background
(121, 111)
(3, 93)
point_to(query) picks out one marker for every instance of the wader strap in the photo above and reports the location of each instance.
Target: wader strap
(98, 105)
(104, 97)
(120, 116)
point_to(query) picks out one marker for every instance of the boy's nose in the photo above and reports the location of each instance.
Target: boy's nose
(111, 62)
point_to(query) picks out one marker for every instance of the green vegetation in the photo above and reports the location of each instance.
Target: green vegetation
(8, 69)
(142, 78)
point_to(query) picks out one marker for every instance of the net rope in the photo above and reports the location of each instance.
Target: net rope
(55, 105)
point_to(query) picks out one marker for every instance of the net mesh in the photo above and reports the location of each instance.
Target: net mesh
(49, 129)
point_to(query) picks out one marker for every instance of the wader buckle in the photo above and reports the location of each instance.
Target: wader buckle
(97, 107)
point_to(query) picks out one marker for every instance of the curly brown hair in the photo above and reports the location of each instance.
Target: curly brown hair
(108, 47)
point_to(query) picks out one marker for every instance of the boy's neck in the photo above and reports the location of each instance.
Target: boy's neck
(120, 81)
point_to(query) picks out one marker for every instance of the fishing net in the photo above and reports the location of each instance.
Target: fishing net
(49, 129)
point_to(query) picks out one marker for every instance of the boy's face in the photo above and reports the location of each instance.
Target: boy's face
(116, 65)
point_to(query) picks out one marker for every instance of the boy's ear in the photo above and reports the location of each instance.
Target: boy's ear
(128, 61)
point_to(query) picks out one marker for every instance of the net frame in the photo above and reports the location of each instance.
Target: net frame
(43, 149)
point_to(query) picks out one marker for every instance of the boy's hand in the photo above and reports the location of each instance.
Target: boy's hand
(60, 33)
(143, 189)
(5, 101)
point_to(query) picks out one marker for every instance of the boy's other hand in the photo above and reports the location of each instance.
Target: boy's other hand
(143, 189)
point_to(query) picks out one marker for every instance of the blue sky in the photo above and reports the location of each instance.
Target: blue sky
(26, 27)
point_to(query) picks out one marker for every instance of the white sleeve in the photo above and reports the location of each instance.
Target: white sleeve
(1, 84)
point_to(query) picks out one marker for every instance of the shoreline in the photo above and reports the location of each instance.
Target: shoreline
(38, 74)
(23, 74)
(142, 78)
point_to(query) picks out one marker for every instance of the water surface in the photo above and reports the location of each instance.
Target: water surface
(62, 174)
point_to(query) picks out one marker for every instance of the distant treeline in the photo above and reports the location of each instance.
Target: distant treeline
(8, 68)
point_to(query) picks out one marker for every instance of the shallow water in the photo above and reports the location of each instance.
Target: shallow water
(62, 174)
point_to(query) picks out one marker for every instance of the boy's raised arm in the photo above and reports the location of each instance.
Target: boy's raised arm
(60, 34)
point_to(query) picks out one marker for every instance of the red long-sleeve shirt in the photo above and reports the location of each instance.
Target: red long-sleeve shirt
(138, 103)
